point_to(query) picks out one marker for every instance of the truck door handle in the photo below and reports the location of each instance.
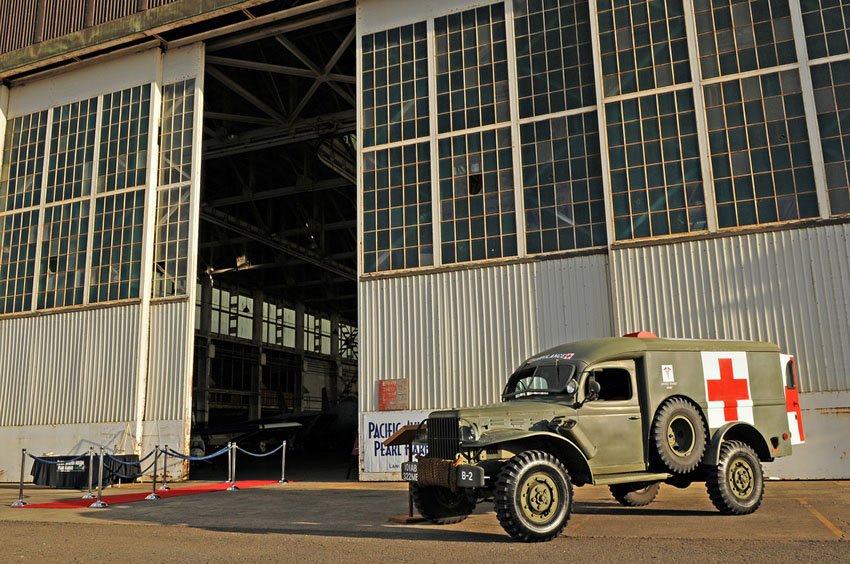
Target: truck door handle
(634, 417)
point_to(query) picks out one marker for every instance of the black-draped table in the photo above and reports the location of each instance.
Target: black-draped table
(72, 473)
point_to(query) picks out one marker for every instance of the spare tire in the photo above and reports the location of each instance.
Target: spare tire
(678, 434)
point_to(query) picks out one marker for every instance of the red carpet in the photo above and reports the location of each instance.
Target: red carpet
(140, 496)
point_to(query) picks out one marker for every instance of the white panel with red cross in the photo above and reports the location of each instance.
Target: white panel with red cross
(727, 388)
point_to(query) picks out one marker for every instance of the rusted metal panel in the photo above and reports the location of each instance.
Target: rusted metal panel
(72, 367)
(18, 17)
(62, 17)
(108, 10)
(456, 336)
(167, 360)
(790, 287)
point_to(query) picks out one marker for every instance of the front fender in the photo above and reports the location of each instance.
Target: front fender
(737, 431)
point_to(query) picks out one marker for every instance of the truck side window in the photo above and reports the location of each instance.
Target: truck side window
(615, 384)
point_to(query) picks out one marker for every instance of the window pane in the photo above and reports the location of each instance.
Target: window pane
(827, 26)
(18, 233)
(117, 247)
(63, 255)
(833, 109)
(124, 139)
(71, 151)
(23, 162)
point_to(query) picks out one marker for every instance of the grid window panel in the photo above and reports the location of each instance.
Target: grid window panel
(760, 154)
(656, 178)
(117, 248)
(171, 245)
(743, 35)
(175, 151)
(554, 59)
(124, 139)
(562, 184)
(69, 169)
(397, 225)
(477, 214)
(63, 255)
(23, 162)
(831, 83)
(472, 69)
(827, 27)
(642, 45)
(395, 85)
(18, 234)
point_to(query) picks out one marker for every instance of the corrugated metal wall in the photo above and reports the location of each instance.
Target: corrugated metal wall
(18, 19)
(108, 10)
(74, 367)
(791, 287)
(458, 335)
(166, 385)
(62, 17)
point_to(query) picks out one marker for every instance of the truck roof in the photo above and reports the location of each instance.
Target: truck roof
(593, 350)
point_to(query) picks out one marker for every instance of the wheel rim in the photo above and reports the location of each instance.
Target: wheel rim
(741, 478)
(540, 498)
(680, 436)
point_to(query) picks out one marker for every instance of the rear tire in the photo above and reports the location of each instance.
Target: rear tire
(441, 505)
(635, 495)
(534, 497)
(678, 434)
(736, 486)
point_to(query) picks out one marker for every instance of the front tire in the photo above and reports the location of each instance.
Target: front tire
(534, 497)
(636, 494)
(736, 486)
(441, 505)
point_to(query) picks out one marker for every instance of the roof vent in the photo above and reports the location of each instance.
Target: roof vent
(642, 335)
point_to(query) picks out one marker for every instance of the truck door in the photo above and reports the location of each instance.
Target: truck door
(792, 399)
(613, 420)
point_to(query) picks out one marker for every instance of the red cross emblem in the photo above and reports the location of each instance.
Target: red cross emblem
(728, 389)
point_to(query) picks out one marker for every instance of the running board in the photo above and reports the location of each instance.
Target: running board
(630, 477)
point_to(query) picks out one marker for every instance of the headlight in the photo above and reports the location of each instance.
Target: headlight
(468, 431)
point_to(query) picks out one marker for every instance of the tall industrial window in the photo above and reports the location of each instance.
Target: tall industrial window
(656, 178)
(477, 218)
(18, 234)
(760, 153)
(562, 184)
(827, 27)
(171, 239)
(124, 139)
(395, 85)
(278, 325)
(317, 334)
(23, 162)
(743, 35)
(642, 44)
(63, 255)
(69, 171)
(831, 84)
(117, 248)
(472, 68)
(397, 208)
(554, 59)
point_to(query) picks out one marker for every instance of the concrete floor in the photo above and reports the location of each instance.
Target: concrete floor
(328, 521)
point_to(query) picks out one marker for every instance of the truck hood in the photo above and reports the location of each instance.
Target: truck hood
(521, 414)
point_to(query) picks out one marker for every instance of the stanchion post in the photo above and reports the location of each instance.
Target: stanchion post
(153, 496)
(99, 503)
(233, 487)
(283, 479)
(165, 487)
(229, 463)
(21, 502)
(89, 493)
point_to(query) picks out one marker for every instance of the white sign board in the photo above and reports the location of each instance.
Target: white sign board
(380, 462)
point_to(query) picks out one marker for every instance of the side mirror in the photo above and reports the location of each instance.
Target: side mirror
(593, 389)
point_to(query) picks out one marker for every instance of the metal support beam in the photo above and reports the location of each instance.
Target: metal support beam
(240, 119)
(239, 89)
(282, 192)
(278, 69)
(236, 225)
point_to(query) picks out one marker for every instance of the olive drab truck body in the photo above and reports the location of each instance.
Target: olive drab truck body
(628, 412)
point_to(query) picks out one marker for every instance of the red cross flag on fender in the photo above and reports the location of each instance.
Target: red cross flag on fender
(727, 388)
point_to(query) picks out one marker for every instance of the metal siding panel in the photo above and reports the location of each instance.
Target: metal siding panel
(170, 323)
(108, 10)
(62, 17)
(458, 335)
(68, 368)
(18, 17)
(790, 287)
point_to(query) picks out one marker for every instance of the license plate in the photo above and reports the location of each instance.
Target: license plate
(409, 471)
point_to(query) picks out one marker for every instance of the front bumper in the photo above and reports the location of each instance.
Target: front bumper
(443, 473)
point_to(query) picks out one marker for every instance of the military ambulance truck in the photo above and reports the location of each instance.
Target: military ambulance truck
(629, 412)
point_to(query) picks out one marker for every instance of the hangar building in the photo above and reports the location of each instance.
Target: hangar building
(218, 213)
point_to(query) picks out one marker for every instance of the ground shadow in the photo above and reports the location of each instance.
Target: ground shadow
(608, 508)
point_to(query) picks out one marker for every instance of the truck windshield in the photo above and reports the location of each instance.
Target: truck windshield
(544, 379)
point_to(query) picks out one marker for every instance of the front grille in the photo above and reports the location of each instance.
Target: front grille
(443, 436)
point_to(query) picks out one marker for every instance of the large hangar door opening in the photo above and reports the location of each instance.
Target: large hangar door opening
(276, 334)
